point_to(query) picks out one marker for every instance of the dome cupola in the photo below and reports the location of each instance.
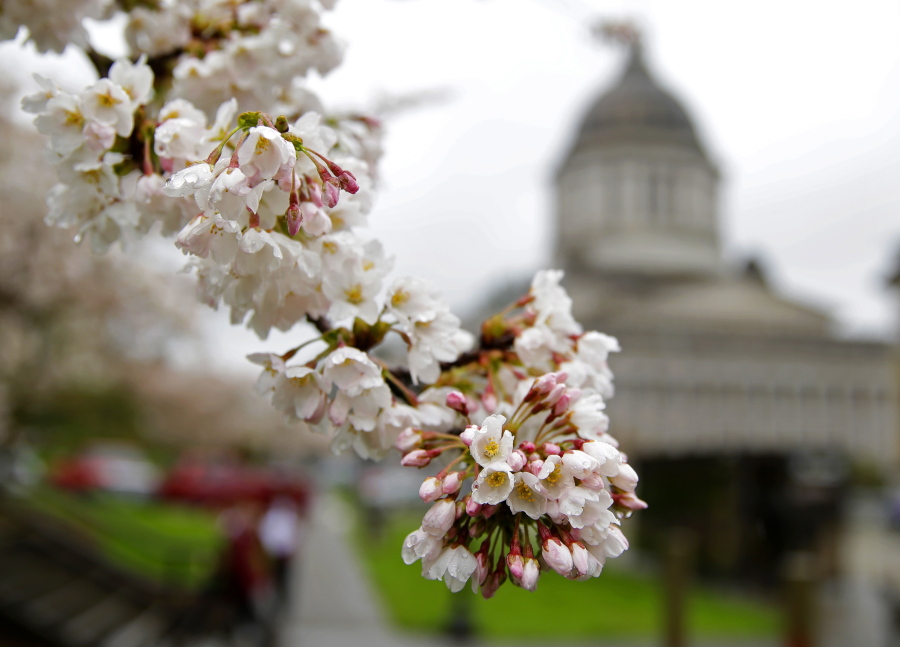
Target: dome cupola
(637, 193)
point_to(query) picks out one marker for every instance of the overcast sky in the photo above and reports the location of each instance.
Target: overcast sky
(798, 103)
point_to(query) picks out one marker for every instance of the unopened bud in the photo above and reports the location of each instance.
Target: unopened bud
(562, 404)
(557, 556)
(294, 217)
(439, 518)
(491, 583)
(535, 466)
(457, 402)
(482, 566)
(516, 564)
(315, 194)
(541, 387)
(580, 559)
(348, 182)
(430, 490)
(473, 509)
(408, 439)
(451, 483)
(331, 192)
(555, 394)
(416, 458)
(488, 510)
(551, 449)
(530, 574)
(626, 479)
(628, 501)
(516, 460)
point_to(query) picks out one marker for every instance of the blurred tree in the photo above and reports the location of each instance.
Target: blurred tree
(85, 340)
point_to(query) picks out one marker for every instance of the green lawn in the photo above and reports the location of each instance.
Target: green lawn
(162, 542)
(618, 604)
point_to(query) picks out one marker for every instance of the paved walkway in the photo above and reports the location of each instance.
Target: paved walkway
(335, 605)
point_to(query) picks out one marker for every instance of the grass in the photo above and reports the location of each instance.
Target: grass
(618, 604)
(161, 542)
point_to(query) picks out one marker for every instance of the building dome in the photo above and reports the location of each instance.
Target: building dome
(637, 193)
(637, 108)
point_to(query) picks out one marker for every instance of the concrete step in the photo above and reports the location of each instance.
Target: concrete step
(91, 625)
(60, 604)
(143, 630)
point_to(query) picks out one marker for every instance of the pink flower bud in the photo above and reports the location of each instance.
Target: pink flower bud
(440, 517)
(489, 400)
(408, 439)
(460, 509)
(628, 501)
(516, 564)
(555, 394)
(315, 194)
(482, 567)
(535, 466)
(551, 449)
(473, 509)
(348, 182)
(488, 510)
(451, 483)
(416, 458)
(430, 490)
(476, 528)
(294, 218)
(516, 460)
(557, 556)
(562, 404)
(526, 446)
(331, 192)
(457, 402)
(492, 582)
(580, 559)
(542, 386)
(530, 574)
(626, 479)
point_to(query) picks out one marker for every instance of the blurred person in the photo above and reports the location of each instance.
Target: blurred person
(280, 532)
(246, 572)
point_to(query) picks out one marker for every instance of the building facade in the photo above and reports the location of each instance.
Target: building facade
(723, 385)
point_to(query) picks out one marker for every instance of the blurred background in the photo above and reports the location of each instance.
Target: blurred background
(719, 184)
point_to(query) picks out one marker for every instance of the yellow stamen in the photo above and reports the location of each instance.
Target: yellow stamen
(497, 479)
(554, 476)
(491, 449)
(354, 294)
(525, 492)
(107, 100)
(74, 118)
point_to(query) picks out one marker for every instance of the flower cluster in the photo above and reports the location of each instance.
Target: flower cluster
(103, 195)
(49, 26)
(255, 51)
(549, 485)
(207, 133)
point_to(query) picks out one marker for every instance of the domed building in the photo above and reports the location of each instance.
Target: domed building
(745, 413)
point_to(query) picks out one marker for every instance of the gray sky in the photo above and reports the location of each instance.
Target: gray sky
(798, 102)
